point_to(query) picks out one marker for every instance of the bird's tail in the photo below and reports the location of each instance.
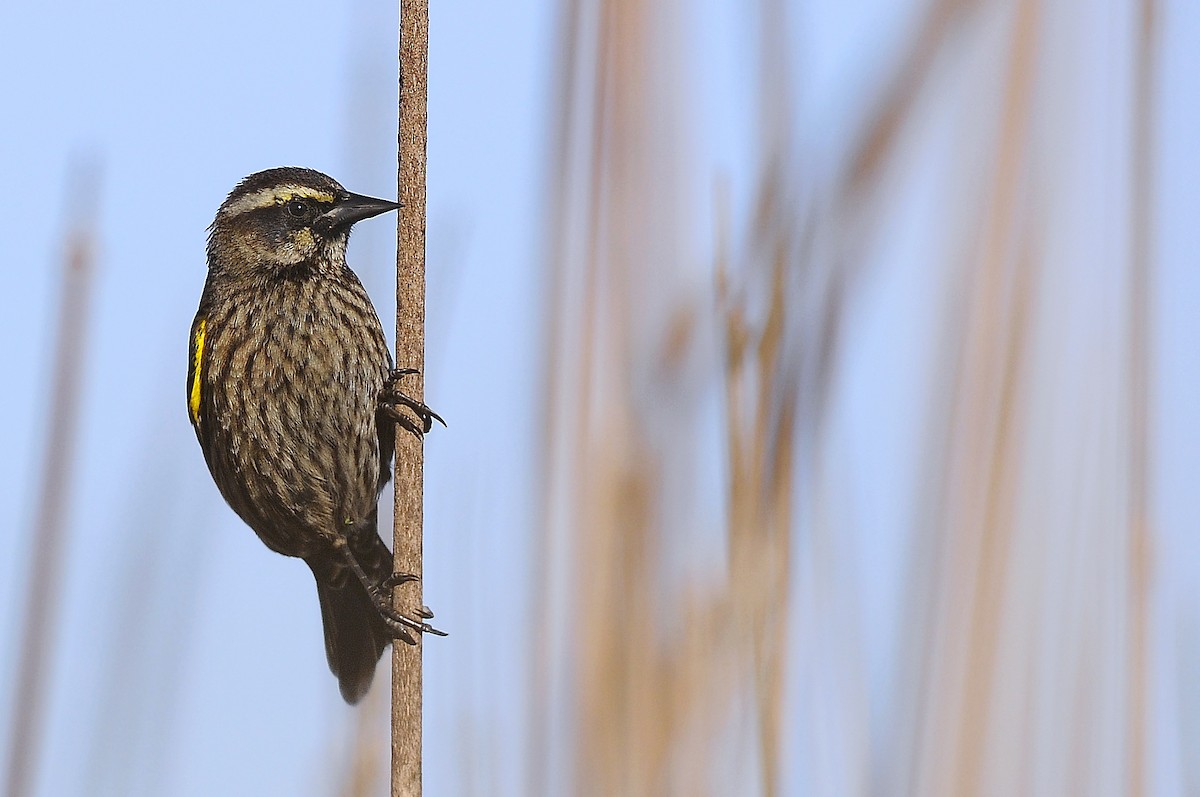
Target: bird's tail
(355, 633)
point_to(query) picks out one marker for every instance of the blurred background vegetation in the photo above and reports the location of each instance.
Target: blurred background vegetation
(821, 381)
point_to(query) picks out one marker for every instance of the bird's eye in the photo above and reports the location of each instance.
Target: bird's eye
(297, 208)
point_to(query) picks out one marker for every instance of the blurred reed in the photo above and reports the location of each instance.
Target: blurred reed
(681, 606)
(363, 773)
(662, 626)
(661, 660)
(1030, 640)
(1141, 372)
(45, 571)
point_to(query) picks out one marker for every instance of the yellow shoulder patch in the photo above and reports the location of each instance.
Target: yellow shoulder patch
(197, 361)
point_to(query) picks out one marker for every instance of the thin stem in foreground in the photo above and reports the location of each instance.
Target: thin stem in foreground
(410, 353)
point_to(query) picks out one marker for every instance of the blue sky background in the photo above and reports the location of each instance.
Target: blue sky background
(190, 659)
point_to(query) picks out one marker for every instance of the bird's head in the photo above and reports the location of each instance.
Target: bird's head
(283, 218)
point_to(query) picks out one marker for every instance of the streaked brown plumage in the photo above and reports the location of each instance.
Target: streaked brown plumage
(287, 381)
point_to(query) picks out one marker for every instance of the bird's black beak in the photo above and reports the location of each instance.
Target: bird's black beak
(349, 209)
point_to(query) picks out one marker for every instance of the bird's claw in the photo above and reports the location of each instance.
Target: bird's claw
(396, 579)
(390, 397)
(400, 623)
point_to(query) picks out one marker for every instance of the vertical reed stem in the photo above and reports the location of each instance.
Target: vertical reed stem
(410, 353)
(45, 569)
(1141, 274)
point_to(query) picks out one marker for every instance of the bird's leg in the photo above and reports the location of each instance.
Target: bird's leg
(399, 623)
(389, 397)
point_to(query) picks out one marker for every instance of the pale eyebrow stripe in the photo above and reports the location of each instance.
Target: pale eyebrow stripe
(267, 197)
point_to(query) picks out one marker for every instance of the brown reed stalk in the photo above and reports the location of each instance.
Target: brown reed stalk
(640, 678)
(57, 481)
(985, 482)
(761, 401)
(544, 553)
(410, 353)
(881, 132)
(656, 676)
(1141, 286)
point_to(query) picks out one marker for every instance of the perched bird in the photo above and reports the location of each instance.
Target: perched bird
(293, 397)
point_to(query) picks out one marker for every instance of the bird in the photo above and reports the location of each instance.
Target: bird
(294, 399)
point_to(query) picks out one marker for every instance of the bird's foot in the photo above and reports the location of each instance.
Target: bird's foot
(391, 399)
(402, 625)
(399, 623)
(396, 579)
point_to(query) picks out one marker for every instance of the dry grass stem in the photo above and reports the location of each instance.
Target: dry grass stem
(410, 353)
(45, 571)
